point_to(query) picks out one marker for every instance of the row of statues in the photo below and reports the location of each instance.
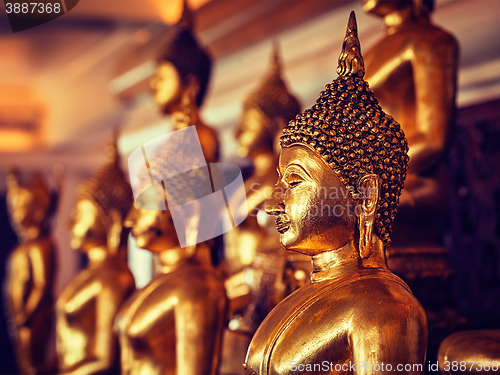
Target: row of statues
(313, 288)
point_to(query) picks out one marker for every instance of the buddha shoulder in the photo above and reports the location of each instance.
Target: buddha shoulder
(382, 301)
(428, 36)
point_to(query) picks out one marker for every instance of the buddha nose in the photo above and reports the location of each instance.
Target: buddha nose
(275, 205)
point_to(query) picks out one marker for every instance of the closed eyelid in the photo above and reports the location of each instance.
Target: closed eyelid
(297, 170)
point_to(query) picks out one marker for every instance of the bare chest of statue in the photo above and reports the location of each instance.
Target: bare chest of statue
(309, 331)
(167, 323)
(76, 318)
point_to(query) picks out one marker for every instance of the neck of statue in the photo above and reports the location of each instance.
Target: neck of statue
(31, 234)
(397, 18)
(173, 259)
(335, 263)
(97, 255)
(343, 261)
(187, 115)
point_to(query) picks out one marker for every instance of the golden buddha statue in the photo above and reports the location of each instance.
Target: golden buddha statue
(179, 87)
(181, 81)
(87, 307)
(30, 272)
(413, 73)
(174, 324)
(255, 260)
(341, 170)
(470, 352)
(256, 241)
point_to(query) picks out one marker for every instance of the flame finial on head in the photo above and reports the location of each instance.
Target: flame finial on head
(186, 21)
(350, 59)
(273, 97)
(109, 189)
(276, 60)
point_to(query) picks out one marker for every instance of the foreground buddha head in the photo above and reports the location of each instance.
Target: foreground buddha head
(28, 203)
(342, 166)
(266, 112)
(101, 205)
(183, 68)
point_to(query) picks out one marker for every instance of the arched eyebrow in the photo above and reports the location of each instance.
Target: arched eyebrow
(300, 167)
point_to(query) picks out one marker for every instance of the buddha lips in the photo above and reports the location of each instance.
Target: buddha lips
(282, 223)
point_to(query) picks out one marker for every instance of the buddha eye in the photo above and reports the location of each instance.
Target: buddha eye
(294, 180)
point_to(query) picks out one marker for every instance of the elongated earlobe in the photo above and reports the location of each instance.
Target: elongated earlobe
(369, 188)
(114, 234)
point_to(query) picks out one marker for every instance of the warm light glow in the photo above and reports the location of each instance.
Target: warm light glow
(21, 119)
(170, 11)
(15, 141)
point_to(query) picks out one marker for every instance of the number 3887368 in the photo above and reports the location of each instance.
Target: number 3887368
(33, 7)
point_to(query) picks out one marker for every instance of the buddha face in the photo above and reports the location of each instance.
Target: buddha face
(384, 7)
(252, 134)
(154, 230)
(86, 229)
(26, 211)
(314, 211)
(167, 87)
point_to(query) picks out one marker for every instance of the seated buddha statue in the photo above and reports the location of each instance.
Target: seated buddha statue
(179, 86)
(30, 272)
(341, 170)
(174, 324)
(87, 307)
(253, 246)
(413, 73)
(470, 352)
(256, 263)
(181, 81)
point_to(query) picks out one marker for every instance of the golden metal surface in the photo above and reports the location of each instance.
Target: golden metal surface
(470, 352)
(266, 111)
(255, 260)
(413, 73)
(174, 324)
(30, 273)
(341, 171)
(181, 80)
(87, 307)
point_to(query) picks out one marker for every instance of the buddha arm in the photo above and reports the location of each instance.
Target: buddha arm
(105, 346)
(198, 326)
(435, 72)
(39, 277)
(393, 337)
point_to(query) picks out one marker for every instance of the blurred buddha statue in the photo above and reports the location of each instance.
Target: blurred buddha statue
(86, 309)
(30, 272)
(179, 87)
(174, 324)
(470, 352)
(413, 73)
(254, 250)
(181, 81)
(256, 262)
(341, 170)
